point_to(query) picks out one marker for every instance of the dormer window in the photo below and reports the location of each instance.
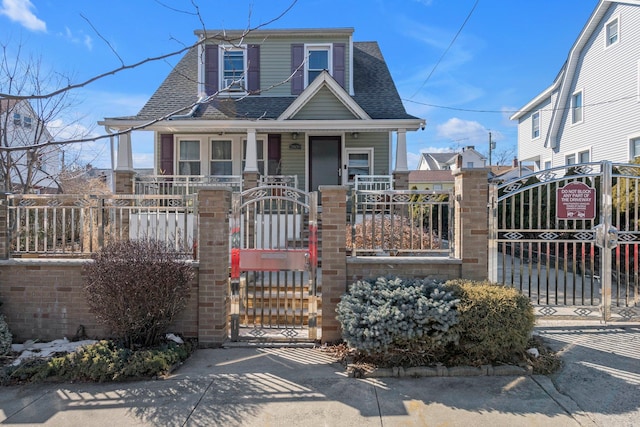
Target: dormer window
(234, 69)
(318, 60)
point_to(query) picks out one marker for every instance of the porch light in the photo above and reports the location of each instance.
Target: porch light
(355, 135)
(294, 135)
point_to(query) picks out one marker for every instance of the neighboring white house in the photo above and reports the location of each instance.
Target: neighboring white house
(591, 112)
(20, 126)
(445, 161)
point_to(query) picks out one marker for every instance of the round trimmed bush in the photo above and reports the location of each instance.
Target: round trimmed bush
(495, 322)
(389, 314)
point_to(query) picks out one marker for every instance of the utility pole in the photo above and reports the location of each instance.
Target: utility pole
(491, 147)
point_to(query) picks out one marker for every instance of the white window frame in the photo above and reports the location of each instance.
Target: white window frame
(242, 90)
(544, 163)
(26, 122)
(347, 152)
(607, 36)
(573, 108)
(568, 156)
(328, 47)
(581, 152)
(177, 160)
(533, 125)
(631, 140)
(17, 119)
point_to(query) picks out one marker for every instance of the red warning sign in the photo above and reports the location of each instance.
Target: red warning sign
(576, 200)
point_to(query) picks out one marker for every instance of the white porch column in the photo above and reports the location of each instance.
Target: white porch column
(252, 152)
(125, 158)
(401, 151)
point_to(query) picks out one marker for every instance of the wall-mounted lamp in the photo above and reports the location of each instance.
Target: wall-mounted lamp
(294, 135)
(355, 135)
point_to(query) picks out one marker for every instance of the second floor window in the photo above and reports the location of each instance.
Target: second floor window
(576, 107)
(233, 70)
(318, 59)
(535, 125)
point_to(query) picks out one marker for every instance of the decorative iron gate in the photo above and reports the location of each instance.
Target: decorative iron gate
(568, 238)
(274, 260)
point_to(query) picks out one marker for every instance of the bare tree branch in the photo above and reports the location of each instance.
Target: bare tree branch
(95, 30)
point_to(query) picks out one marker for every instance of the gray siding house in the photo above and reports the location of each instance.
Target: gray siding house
(310, 103)
(591, 111)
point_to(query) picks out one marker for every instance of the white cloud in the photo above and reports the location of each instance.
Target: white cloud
(83, 39)
(88, 42)
(20, 11)
(466, 132)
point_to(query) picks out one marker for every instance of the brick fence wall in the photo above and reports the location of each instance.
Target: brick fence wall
(43, 298)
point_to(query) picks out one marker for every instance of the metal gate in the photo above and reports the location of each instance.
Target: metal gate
(274, 260)
(568, 238)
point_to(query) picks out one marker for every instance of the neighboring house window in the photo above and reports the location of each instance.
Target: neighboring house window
(437, 187)
(221, 158)
(318, 60)
(469, 164)
(570, 159)
(17, 119)
(26, 122)
(612, 32)
(535, 125)
(259, 155)
(635, 147)
(583, 157)
(576, 107)
(233, 69)
(189, 157)
(547, 164)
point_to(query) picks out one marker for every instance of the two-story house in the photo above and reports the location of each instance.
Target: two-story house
(310, 103)
(471, 158)
(591, 111)
(33, 170)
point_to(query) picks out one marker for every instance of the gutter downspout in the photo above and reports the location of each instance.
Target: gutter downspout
(191, 112)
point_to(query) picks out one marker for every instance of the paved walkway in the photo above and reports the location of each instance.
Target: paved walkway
(599, 385)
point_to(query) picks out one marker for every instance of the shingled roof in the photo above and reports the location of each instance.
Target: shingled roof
(374, 91)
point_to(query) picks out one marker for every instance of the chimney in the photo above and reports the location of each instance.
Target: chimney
(515, 162)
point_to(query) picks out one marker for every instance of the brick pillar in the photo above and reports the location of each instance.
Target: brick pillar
(471, 220)
(401, 180)
(334, 261)
(4, 223)
(213, 245)
(250, 180)
(124, 181)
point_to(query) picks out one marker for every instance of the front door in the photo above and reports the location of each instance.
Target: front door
(325, 163)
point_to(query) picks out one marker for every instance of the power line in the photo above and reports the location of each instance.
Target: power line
(471, 110)
(447, 49)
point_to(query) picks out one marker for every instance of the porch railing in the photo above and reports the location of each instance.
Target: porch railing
(401, 222)
(182, 184)
(78, 225)
(279, 180)
(373, 182)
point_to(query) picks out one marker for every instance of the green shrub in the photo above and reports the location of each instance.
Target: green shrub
(136, 288)
(104, 361)
(390, 314)
(495, 322)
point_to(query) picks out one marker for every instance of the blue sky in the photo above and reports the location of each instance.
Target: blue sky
(507, 53)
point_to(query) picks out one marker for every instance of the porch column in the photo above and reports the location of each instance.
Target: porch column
(401, 151)
(250, 173)
(401, 171)
(125, 158)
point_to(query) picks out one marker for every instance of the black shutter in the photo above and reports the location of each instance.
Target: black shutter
(211, 80)
(297, 69)
(253, 65)
(339, 63)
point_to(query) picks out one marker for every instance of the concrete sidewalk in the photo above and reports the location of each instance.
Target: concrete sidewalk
(305, 387)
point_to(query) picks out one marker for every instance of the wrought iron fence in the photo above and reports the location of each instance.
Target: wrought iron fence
(182, 184)
(401, 222)
(373, 182)
(78, 225)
